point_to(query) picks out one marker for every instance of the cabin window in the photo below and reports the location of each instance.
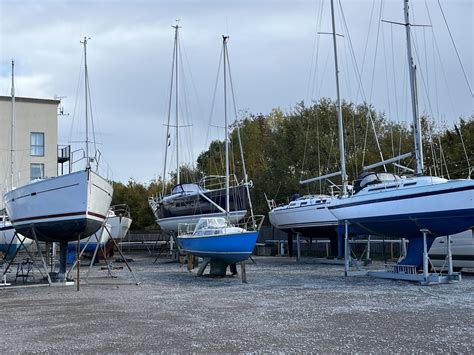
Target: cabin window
(36, 171)
(37, 144)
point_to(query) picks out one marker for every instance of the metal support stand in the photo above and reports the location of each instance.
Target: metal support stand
(93, 256)
(298, 247)
(367, 258)
(410, 272)
(123, 258)
(62, 261)
(78, 257)
(425, 254)
(346, 248)
(78, 275)
(450, 255)
(48, 277)
(22, 244)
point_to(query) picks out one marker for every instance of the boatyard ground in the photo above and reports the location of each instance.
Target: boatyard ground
(286, 306)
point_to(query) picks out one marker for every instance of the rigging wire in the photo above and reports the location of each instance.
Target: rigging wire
(313, 70)
(393, 72)
(368, 36)
(360, 82)
(238, 134)
(455, 48)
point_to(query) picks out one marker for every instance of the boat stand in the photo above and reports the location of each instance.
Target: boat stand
(43, 269)
(107, 263)
(218, 268)
(410, 272)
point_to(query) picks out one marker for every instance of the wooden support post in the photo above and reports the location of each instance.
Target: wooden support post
(243, 272)
(190, 259)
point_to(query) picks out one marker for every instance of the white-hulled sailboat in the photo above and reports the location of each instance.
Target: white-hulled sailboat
(62, 208)
(188, 202)
(385, 204)
(309, 215)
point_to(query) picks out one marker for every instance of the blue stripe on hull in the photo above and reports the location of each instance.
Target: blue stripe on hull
(409, 225)
(231, 248)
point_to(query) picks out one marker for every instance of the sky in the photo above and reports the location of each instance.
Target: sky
(278, 57)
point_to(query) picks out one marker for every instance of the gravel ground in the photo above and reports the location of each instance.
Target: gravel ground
(285, 307)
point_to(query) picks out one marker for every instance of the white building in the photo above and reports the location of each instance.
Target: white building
(36, 139)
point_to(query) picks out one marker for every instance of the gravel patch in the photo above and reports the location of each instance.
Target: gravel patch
(284, 307)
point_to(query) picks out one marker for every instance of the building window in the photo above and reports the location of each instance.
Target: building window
(37, 144)
(36, 171)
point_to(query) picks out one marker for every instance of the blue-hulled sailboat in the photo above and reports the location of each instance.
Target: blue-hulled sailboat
(216, 238)
(419, 208)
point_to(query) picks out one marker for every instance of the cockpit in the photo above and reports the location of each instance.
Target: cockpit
(186, 188)
(371, 178)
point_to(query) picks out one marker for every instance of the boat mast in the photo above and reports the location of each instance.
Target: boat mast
(414, 98)
(12, 129)
(227, 199)
(176, 27)
(88, 163)
(338, 108)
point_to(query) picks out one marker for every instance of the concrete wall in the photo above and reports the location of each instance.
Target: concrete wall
(32, 115)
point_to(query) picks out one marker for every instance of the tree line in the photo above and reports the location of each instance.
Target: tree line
(282, 148)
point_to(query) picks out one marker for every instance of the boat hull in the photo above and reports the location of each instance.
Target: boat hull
(9, 242)
(59, 209)
(443, 208)
(313, 220)
(230, 248)
(100, 238)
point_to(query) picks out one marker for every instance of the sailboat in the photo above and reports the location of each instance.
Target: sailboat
(215, 237)
(310, 215)
(418, 207)
(10, 241)
(62, 208)
(115, 229)
(188, 202)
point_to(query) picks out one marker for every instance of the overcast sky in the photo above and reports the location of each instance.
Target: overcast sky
(274, 49)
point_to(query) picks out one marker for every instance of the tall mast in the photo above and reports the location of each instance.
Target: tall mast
(176, 46)
(338, 108)
(12, 129)
(88, 165)
(414, 99)
(227, 199)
